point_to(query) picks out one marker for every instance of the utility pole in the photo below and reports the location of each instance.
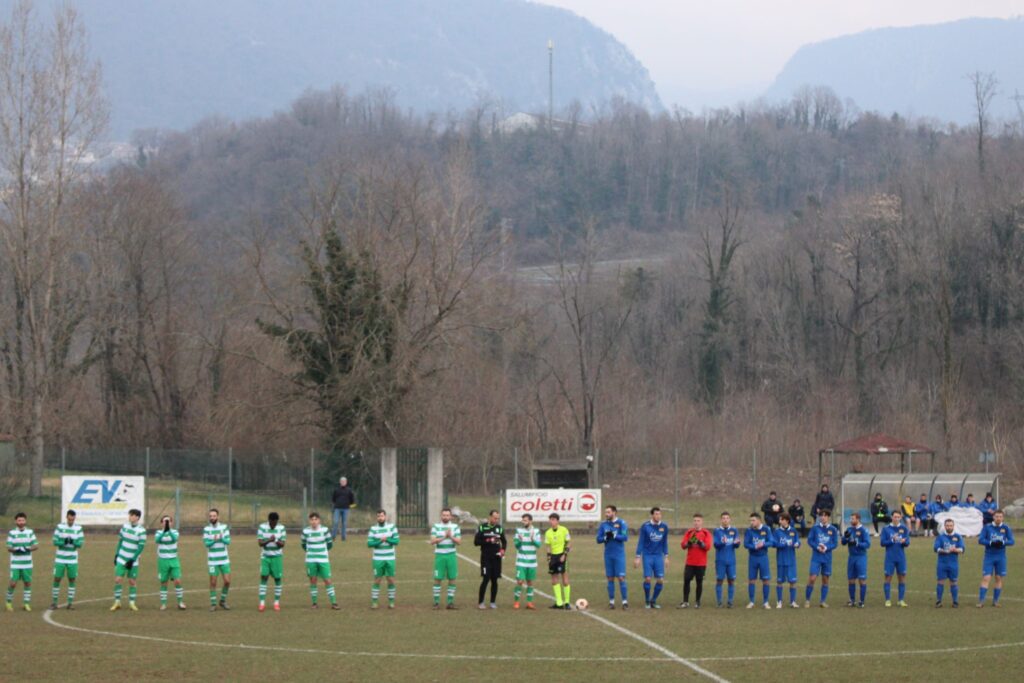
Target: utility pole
(551, 83)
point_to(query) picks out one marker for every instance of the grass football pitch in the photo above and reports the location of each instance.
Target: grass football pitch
(413, 642)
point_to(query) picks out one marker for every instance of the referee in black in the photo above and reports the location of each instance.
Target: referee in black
(490, 536)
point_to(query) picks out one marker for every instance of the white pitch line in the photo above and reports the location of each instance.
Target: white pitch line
(900, 653)
(626, 632)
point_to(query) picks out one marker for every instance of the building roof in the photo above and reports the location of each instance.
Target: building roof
(878, 444)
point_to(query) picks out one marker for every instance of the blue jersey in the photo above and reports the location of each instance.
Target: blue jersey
(996, 539)
(786, 541)
(725, 542)
(895, 539)
(857, 540)
(936, 508)
(987, 508)
(757, 541)
(823, 535)
(944, 545)
(923, 510)
(616, 543)
(652, 539)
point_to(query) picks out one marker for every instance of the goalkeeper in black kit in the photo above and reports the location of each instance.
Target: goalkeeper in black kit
(490, 536)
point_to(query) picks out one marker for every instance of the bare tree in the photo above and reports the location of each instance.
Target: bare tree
(984, 85)
(51, 111)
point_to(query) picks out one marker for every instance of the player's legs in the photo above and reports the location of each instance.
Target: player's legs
(392, 590)
(902, 588)
(698, 579)
(314, 591)
(225, 587)
(331, 594)
(687, 579)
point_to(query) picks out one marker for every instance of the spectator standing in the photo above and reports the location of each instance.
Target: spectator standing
(823, 501)
(344, 499)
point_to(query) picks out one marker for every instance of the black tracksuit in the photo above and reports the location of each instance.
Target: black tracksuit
(492, 542)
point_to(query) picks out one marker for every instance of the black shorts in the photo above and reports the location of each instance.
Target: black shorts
(556, 565)
(490, 566)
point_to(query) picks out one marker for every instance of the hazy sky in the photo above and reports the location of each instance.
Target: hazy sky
(715, 52)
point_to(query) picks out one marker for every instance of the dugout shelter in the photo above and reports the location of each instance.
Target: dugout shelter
(872, 450)
(858, 490)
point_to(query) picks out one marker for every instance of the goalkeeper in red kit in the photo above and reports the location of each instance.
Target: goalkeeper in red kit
(696, 542)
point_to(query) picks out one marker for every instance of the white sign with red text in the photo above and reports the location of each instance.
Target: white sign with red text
(572, 505)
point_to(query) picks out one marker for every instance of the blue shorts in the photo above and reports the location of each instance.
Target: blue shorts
(787, 573)
(615, 565)
(896, 567)
(725, 570)
(857, 568)
(821, 566)
(947, 571)
(994, 565)
(654, 565)
(759, 565)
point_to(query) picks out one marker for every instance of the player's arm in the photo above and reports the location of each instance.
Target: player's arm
(225, 538)
(478, 538)
(80, 540)
(330, 542)
(568, 544)
(373, 542)
(1009, 536)
(504, 540)
(457, 536)
(717, 539)
(748, 540)
(208, 540)
(393, 539)
(602, 532)
(623, 533)
(282, 539)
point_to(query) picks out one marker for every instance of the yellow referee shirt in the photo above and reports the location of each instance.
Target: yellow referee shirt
(556, 539)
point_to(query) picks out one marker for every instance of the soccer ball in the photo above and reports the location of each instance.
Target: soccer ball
(582, 604)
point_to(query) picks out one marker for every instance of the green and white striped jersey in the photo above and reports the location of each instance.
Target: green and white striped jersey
(388, 534)
(447, 546)
(217, 538)
(21, 541)
(166, 544)
(317, 542)
(130, 542)
(68, 539)
(527, 542)
(265, 533)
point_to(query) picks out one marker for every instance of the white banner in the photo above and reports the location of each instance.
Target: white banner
(968, 521)
(101, 500)
(572, 505)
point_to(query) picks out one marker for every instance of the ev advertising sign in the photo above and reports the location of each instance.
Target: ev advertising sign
(572, 505)
(101, 500)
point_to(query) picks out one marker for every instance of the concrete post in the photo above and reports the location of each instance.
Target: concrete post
(389, 482)
(435, 483)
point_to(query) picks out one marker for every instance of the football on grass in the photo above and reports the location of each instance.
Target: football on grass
(582, 603)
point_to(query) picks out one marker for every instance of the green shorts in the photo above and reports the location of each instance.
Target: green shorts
(21, 575)
(318, 569)
(272, 566)
(68, 570)
(168, 570)
(216, 569)
(526, 573)
(121, 570)
(446, 567)
(383, 568)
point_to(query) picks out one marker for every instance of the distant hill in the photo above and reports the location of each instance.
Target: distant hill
(919, 70)
(169, 64)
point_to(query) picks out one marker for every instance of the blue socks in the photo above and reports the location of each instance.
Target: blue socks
(750, 591)
(809, 591)
(792, 593)
(647, 591)
(982, 592)
(863, 591)
(853, 591)
(623, 591)
(718, 593)
(732, 591)
(888, 591)
(902, 592)
(940, 588)
(778, 592)
(611, 590)
(766, 591)
(657, 592)
(996, 592)
(824, 593)
(954, 590)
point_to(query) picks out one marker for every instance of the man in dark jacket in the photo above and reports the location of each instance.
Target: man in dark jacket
(823, 501)
(490, 537)
(344, 499)
(796, 514)
(771, 509)
(879, 512)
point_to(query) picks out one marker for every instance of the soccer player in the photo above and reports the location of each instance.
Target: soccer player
(822, 539)
(559, 542)
(923, 512)
(857, 540)
(317, 541)
(383, 537)
(757, 540)
(996, 537)
(786, 540)
(949, 546)
(527, 542)
(445, 536)
(614, 533)
(21, 543)
(726, 539)
(217, 538)
(895, 539)
(271, 538)
(68, 538)
(652, 550)
(131, 541)
(490, 538)
(696, 542)
(987, 506)
(168, 566)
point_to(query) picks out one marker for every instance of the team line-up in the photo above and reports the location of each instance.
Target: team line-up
(446, 536)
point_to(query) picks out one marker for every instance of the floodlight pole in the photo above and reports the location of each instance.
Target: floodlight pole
(551, 83)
